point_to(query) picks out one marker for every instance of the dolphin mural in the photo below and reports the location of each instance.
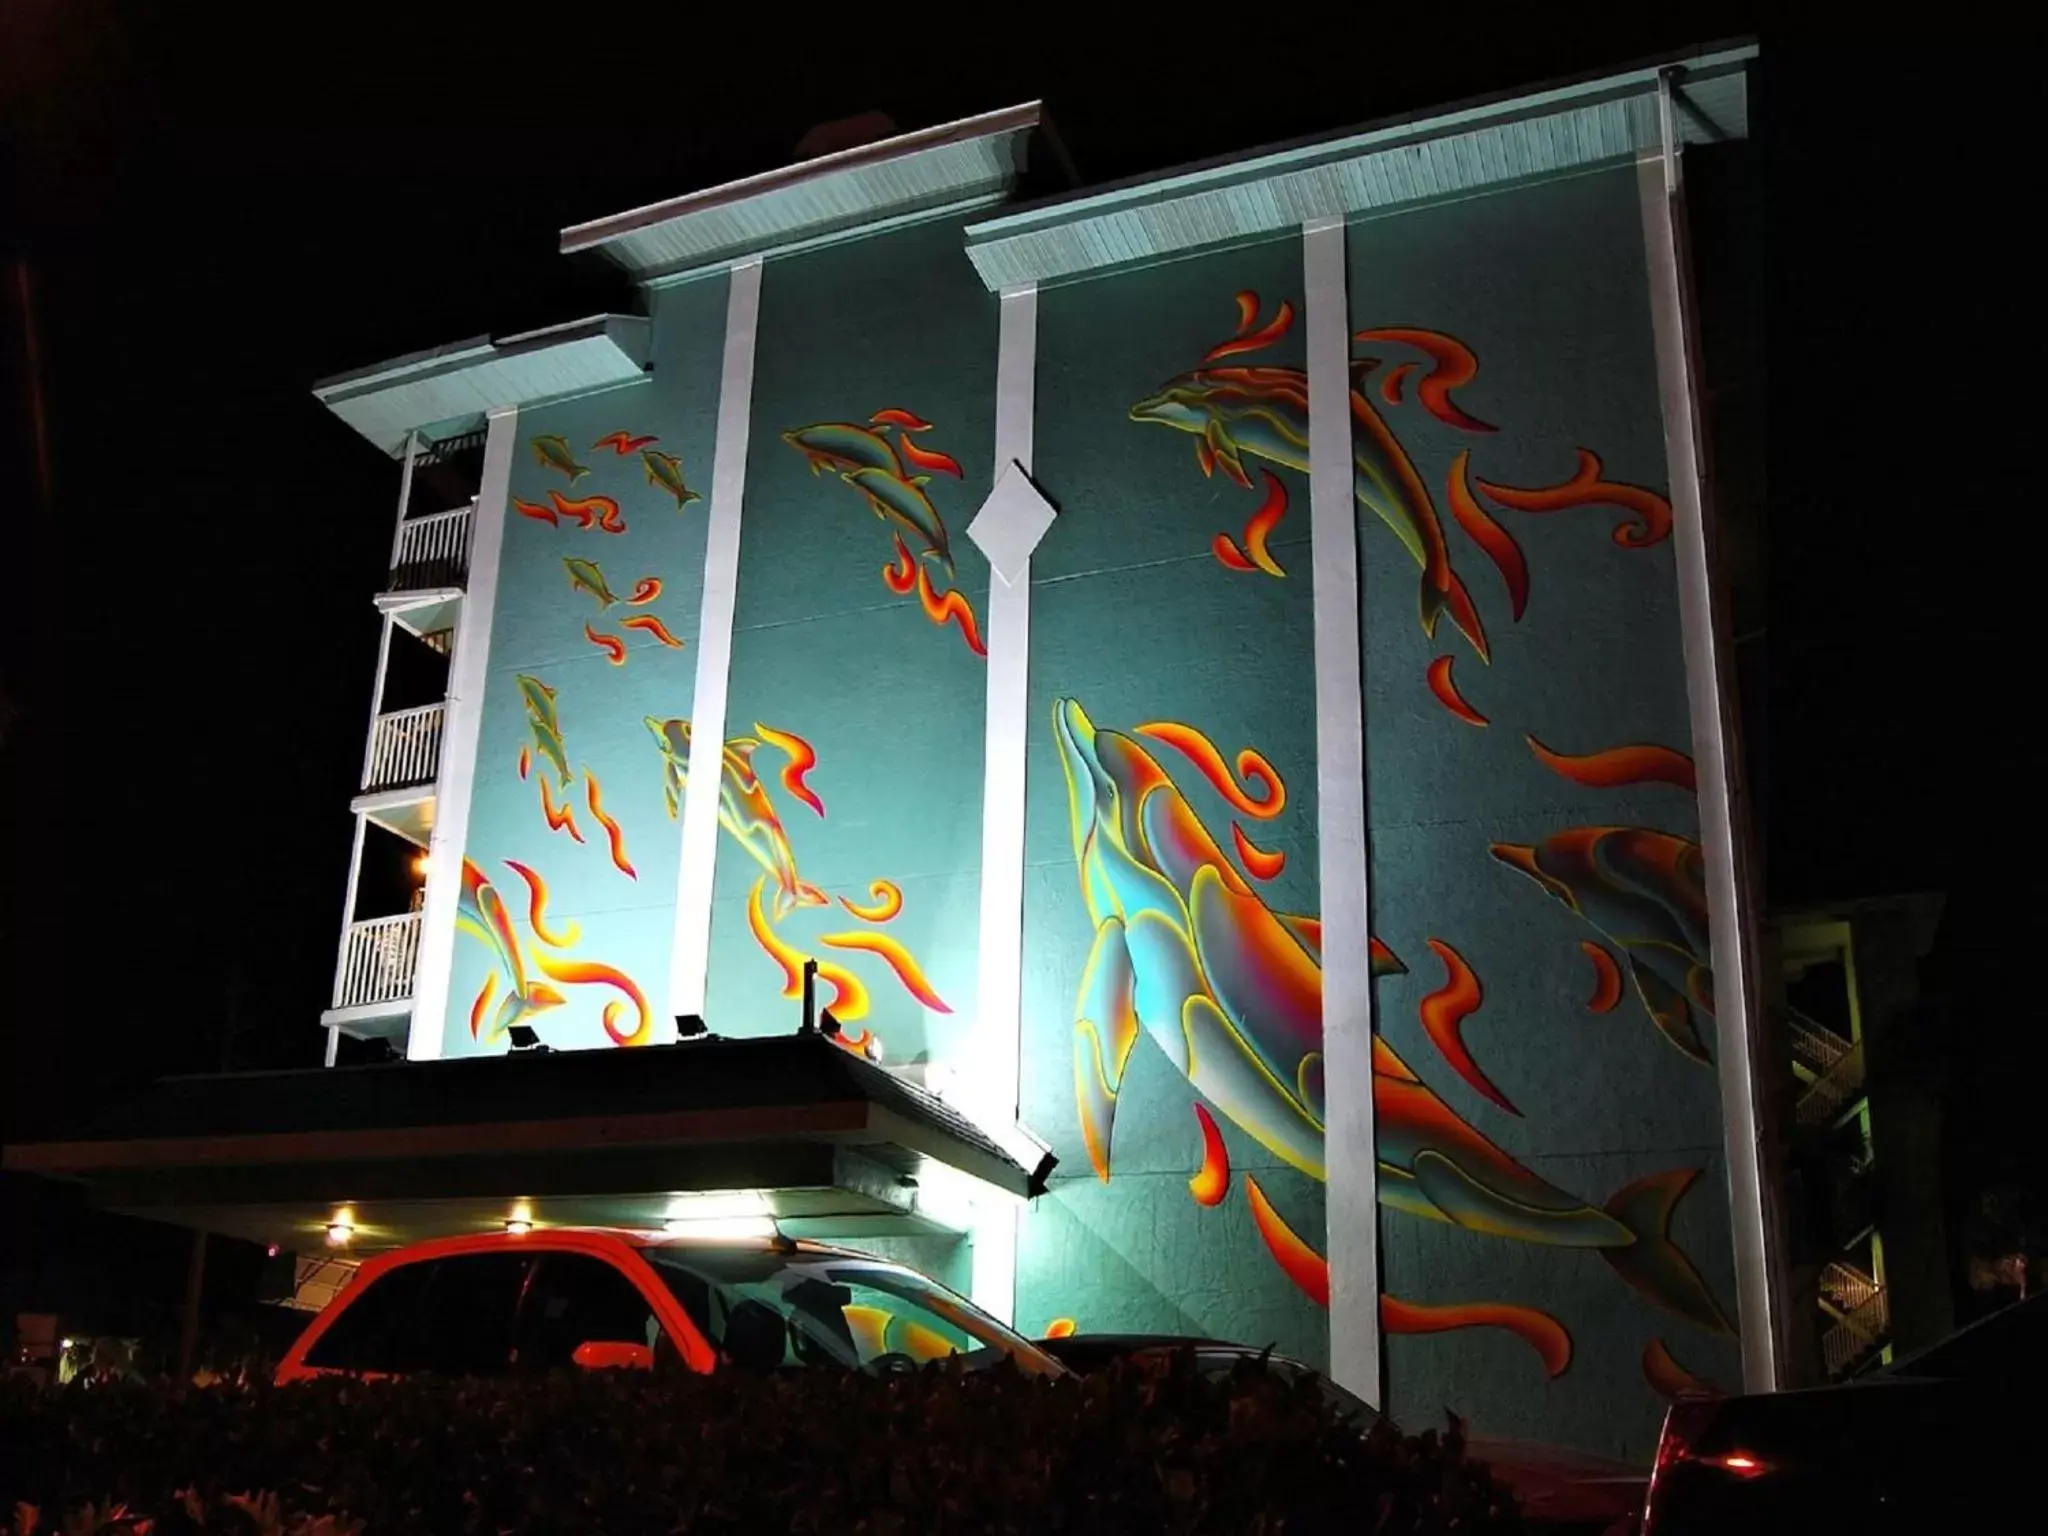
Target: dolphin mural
(1262, 412)
(539, 701)
(866, 460)
(481, 911)
(1646, 893)
(1187, 954)
(744, 809)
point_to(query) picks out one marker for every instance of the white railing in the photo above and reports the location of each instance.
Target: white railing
(405, 748)
(1859, 1333)
(1833, 1089)
(432, 551)
(1815, 1045)
(377, 961)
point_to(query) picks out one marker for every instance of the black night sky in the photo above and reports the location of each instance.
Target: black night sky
(211, 213)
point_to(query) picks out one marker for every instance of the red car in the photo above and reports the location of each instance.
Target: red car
(554, 1298)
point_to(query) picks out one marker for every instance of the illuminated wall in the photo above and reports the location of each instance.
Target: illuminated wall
(570, 879)
(1553, 1212)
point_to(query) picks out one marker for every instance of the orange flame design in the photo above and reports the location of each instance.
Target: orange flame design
(850, 1001)
(1212, 1182)
(1253, 554)
(621, 444)
(1061, 1328)
(649, 624)
(1587, 489)
(1637, 763)
(1670, 1380)
(894, 416)
(1225, 549)
(612, 830)
(560, 818)
(888, 901)
(591, 972)
(525, 761)
(1251, 765)
(901, 573)
(1444, 1012)
(931, 460)
(1497, 543)
(1539, 1330)
(483, 1002)
(1299, 1262)
(613, 647)
(952, 606)
(1258, 863)
(1390, 386)
(1606, 978)
(1447, 694)
(898, 959)
(1246, 339)
(1454, 367)
(537, 909)
(589, 509)
(645, 590)
(536, 511)
(802, 758)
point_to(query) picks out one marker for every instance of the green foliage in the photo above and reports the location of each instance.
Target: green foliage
(1128, 1450)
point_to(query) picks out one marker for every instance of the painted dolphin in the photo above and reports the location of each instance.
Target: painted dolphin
(744, 809)
(541, 719)
(842, 447)
(1263, 412)
(1646, 892)
(1187, 953)
(481, 911)
(904, 503)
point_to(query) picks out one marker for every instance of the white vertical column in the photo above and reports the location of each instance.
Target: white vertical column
(1351, 1202)
(690, 953)
(468, 669)
(1732, 938)
(990, 1085)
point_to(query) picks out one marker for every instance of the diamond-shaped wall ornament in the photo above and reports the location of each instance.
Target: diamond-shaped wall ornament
(1011, 522)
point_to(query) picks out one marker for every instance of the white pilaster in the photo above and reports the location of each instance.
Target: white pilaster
(468, 668)
(1351, 1201)
(690, 953)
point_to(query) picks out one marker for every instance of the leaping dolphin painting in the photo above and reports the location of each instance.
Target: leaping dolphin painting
(744, 809)
(1187, 954)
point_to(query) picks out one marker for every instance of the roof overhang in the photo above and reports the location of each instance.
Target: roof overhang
(448, 390)
(833, 1146)
(856, 191)
(1382, 168)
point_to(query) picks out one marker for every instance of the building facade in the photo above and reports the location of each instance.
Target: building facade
(1220, 676)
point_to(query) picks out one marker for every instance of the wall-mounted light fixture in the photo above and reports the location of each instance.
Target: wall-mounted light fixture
(341, 1228)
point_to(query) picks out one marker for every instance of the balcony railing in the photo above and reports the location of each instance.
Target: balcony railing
(1832, 1091)
(432, 551)
(377, 960)
(1860, 1334)
(405, 748)
(1814, 1045)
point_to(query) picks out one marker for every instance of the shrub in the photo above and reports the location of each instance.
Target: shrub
(1129, 1450)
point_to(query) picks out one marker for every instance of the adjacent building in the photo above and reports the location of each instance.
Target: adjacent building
(1219, 677)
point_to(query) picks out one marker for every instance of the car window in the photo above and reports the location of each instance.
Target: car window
(451, 1316)
(576, 1299)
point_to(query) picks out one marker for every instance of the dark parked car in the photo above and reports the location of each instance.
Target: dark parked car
(1559, 1490)
(1944, 1441)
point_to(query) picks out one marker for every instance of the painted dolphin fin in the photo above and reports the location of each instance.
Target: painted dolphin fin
(1105, 1029)
(1205, 456)
(1229, 1074)
(1668, 1010)
(1655, 1265)
(1477, 1208)
(1224, 452)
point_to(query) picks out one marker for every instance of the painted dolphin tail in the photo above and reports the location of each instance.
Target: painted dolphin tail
(1653, 1263)
(1452, 598)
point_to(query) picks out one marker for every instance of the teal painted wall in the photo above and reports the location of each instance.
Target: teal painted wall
(1561, 337)
(826, 652)
(1135, 620)
(624, 920)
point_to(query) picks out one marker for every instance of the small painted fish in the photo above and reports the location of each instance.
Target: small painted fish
(541, 719)
(666, 471)
(555, 453)
(584, 576)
